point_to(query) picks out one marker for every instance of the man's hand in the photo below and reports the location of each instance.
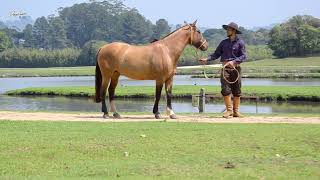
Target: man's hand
(203, 61)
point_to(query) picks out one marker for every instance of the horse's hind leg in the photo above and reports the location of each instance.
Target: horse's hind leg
(104, 86)
(111, 89)
(156, 112)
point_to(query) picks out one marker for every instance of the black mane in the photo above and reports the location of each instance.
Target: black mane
(155, 40)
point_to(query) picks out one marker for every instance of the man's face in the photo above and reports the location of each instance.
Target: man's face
(230, 31)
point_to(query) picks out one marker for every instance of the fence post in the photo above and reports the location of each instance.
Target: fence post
(202, 100)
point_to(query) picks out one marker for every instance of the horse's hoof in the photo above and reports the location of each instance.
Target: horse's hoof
(106, 116)
(173, 116)
(157, 116)
(116, 115)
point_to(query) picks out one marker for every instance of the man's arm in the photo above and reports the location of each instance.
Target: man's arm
(217, 53)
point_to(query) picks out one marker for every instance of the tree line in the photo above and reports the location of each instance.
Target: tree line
(299, 36)
(28, 58)
(82, 28)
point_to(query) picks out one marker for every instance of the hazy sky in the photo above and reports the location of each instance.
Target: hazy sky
(210, 13)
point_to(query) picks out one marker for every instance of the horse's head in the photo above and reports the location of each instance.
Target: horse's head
(196, 38)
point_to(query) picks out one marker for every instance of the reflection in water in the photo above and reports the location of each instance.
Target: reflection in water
(145, 105)
(18, 83)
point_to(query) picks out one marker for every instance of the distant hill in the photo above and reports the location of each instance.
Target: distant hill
(269, 27)
(18, 24)
(2, 25)
(175, 26)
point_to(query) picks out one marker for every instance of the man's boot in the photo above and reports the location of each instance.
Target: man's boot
(228, 113)
(236, 105)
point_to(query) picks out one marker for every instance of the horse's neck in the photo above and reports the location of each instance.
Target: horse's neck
(176, 44)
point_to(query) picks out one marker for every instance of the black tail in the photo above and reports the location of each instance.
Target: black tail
(98, 80)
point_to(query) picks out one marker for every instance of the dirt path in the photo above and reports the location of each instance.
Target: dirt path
(46, 116)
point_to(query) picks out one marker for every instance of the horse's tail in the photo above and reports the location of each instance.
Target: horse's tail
(98, 80)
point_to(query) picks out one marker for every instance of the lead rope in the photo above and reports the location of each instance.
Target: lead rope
(234, 68)
(204, 66)
(224, 77)
(223, 71)
(197, 55)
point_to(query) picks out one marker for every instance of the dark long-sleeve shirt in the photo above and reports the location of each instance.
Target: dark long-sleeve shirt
(230, 51)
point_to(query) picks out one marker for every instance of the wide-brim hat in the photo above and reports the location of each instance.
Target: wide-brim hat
(232, 25)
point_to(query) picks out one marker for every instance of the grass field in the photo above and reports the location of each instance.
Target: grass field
(46, 72)
(268, 68)
(281, 93)
(286, 62)
(158, 150)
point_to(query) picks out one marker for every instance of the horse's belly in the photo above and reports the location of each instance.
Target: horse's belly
(138, 76)
(138, 72)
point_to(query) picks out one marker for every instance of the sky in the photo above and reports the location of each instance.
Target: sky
(209, 13)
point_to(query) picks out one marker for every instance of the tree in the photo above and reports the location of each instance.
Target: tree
(92, 21)
(161, 29)
(57, 33)
(5, 41)
(259, 37)
(40, 32)
(309, 39)
(88, 53)
(135, 28)
(214, 36)
(28, 37)
(297, 37)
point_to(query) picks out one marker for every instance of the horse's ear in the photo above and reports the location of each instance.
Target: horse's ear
(194, 23)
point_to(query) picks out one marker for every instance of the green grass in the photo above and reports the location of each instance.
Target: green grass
(307, 67)
(280, 93)
(269, 68)
(60, 150)
(285, 62)
(282, 75)
(47, 72)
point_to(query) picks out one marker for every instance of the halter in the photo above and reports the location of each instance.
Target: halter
(196, 51)
(192, 32)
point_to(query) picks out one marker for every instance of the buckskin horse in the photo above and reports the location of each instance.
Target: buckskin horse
(155, 61)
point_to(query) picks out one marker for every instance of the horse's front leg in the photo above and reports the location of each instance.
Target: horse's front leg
(157, 99)
(168, 86)
(112, 88)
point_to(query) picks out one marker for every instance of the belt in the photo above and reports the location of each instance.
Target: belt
(229, 69)
(236, 64)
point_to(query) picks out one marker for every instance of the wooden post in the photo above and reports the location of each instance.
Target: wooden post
(195, 100)
(202, 100)
(257, 99)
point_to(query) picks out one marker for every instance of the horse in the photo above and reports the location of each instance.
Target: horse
(155, 61)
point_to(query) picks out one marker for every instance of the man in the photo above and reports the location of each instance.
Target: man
(232, 52)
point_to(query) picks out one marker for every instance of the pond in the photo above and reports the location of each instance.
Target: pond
(17, 83)
(145, 105)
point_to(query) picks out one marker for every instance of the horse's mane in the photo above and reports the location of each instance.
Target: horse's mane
(156, 40)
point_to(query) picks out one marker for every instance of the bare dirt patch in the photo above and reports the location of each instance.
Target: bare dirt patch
(48, 116)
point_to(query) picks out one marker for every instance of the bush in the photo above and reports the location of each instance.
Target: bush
(27, 58)
(88, 53)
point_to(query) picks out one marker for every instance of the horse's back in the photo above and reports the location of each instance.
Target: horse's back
(117, 49)
(134, 61)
